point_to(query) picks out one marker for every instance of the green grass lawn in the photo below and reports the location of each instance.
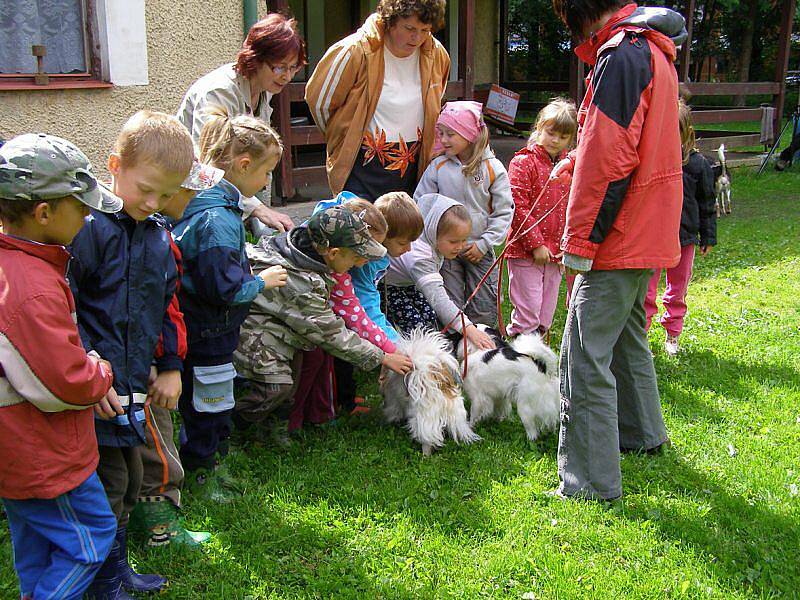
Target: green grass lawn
(355, 511)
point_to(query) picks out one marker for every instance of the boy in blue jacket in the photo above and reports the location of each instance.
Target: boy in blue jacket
(123, 277)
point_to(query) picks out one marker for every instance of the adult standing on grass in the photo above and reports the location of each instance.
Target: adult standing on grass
(270, 56)
(622, 222)
(376, 95)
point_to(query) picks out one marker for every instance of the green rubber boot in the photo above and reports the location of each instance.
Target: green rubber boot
(157, 518)
(204, 484)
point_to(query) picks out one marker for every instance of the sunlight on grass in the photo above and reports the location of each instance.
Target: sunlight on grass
(354, 511)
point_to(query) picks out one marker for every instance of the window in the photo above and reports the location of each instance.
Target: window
(59, 27)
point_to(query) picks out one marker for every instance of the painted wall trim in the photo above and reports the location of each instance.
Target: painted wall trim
(122, 33)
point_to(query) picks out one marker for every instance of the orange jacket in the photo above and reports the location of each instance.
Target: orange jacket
(625, 203)
(345, 88)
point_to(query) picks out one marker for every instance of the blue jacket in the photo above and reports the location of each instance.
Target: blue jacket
(366, 278)
(123, 277)
(217, 285)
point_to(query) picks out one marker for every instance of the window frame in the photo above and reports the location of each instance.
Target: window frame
(91, 78)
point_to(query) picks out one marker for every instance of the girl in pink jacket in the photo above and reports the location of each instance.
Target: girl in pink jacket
(534, 269)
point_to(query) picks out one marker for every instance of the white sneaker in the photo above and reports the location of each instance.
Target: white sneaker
(671, 345)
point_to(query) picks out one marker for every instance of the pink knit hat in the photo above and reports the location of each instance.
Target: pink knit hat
(465, 117)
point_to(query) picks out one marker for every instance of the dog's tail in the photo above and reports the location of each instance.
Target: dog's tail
(721, 155)
(533, 346)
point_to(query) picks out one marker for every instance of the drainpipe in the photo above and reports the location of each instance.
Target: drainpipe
(250, 14)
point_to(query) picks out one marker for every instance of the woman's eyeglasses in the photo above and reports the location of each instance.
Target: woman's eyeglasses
(283, 69)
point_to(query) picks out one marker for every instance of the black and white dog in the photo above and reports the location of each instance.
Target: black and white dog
(523, 373)
(722, 184)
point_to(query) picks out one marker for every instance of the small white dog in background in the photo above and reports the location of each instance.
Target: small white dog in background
(429, 398)
(722, 184)
(523, 373)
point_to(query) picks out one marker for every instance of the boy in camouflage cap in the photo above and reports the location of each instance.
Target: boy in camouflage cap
(284, 321)
(62, 527)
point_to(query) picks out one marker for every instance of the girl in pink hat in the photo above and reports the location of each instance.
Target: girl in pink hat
(467, 171)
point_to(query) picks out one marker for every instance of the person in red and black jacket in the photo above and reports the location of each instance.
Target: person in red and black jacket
(622, 222)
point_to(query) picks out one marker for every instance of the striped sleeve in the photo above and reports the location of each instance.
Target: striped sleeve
(332, 80)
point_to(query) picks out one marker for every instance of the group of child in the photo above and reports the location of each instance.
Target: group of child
(160, 304)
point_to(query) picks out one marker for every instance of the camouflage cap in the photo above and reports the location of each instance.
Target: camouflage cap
(37, 166)
(202, 177)
(339, 227)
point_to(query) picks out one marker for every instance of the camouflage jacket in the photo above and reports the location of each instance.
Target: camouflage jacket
(296, 316)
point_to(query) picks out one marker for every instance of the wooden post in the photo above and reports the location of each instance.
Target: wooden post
(782, 62)
(503, 42)
(41, 78)
(686, 50)
(577, 75)
(466, 59)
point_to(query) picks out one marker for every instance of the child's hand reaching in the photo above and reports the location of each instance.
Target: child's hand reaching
(478, 338)
(542, 255)
(399, 363)
(274, 277)
(109, 406)
(165, 389)
(472, 253)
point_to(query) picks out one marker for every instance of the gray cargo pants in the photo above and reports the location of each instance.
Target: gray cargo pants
(609, 394)
(461, 277)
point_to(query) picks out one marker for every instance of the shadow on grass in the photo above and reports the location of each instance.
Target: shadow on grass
(745, 544)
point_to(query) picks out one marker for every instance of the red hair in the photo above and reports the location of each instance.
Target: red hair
(273, 38)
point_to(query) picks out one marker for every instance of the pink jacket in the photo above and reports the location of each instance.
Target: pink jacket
(528, 172)
(346, 305)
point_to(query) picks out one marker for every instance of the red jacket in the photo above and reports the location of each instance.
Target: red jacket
(47, 381)
(528, 173)
(625, 204)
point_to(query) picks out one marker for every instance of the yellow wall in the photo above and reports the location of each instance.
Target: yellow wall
(185, 40)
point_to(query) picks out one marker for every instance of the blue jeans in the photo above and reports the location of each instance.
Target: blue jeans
(59, 544)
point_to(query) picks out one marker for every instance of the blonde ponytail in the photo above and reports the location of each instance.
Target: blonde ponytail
(223, 138)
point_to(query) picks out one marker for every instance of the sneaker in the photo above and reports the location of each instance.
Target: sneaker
(158, 519)
(204, 485)
(671, 345)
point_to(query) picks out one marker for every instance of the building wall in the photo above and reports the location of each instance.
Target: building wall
(185, 40)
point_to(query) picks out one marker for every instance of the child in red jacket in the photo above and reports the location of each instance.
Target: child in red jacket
(534, 269)
(62, 527)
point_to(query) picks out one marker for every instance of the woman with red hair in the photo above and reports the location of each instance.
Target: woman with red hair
(270, 56)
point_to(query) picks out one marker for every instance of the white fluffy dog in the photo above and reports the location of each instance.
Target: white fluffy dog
(523, 373)
(429, 398)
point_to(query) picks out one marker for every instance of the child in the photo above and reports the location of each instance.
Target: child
(622, 222)
(398, 223)
(315, 393)
(217, 288)
(415, 294)
(61, 526)
(534, 269)
(156, 510)
(123, 277)
(469, 172)
(698, 224)
(298, 317)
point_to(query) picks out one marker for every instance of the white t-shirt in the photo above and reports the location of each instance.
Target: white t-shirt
(400, 111)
